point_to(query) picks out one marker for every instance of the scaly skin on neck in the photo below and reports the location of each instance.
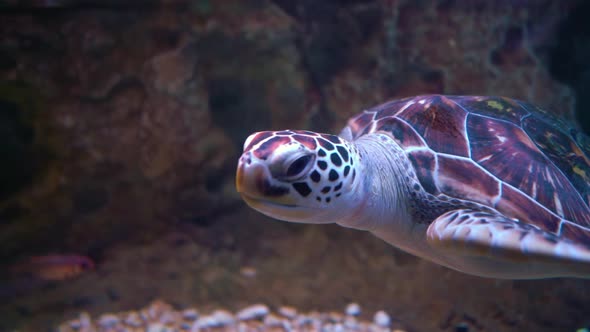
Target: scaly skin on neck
(387, 177)
(382, 184)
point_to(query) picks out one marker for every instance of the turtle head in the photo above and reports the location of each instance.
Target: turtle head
(299, 176)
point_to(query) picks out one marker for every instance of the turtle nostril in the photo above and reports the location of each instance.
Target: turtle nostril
(246, 158)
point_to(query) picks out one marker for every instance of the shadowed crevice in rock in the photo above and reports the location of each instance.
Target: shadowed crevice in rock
(568, 59)
(17, 168)
(330, 37)
(238, 107)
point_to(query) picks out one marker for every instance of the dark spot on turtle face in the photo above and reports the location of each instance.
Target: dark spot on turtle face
(325, 144)
(246, 158)
(332, 138)
(335, 158)
(416, 186)
(318, 198)
(328, 199)
(343, 152)
(483, 221)
(322, 165)
(302, 188)
(315, 176)
(338, 187)
(353, 175)
(333, 175)
(321, 153)
(523, 234)
(338, 194)
(346, 170)
(508, 227)
(326, 189)
(463, 218)
(351, 162)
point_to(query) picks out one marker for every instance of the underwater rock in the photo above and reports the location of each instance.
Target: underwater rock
(568, 57)
(288, 312)
(190, 314)
(353, 309)
(256, 311)
(133, 319)
(382, 319)
(248, 272)
(108, 321)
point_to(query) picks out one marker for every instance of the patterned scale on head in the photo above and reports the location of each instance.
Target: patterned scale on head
(302, 171)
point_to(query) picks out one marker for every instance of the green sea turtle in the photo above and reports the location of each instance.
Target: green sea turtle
(489, 186)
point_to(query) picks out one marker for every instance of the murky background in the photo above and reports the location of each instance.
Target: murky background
(121, 123)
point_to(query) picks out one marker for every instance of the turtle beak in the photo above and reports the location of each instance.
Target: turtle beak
(263, 193)
(240, 186)
(256, 185)
(248, 175)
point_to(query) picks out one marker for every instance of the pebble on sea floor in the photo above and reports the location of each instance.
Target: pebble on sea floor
(158, 327)
(353, 309)
(218, 318)
(169, 317)
(273, 320)
(382, 319)
(248, 272)
(75, 324)
(190, 314)
(134, 320)
(224, 317)
(85, 320)
(255, 311)
(108, 320)
(288, 312)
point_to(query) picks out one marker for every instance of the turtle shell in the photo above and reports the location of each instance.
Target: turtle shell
(503, 153)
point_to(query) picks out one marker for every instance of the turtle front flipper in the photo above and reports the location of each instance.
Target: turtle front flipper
(488, 244)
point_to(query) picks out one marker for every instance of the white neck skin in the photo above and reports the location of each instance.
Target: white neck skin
(381, 185)
(386, 213)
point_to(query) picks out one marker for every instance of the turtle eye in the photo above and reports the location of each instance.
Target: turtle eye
(297, 167)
